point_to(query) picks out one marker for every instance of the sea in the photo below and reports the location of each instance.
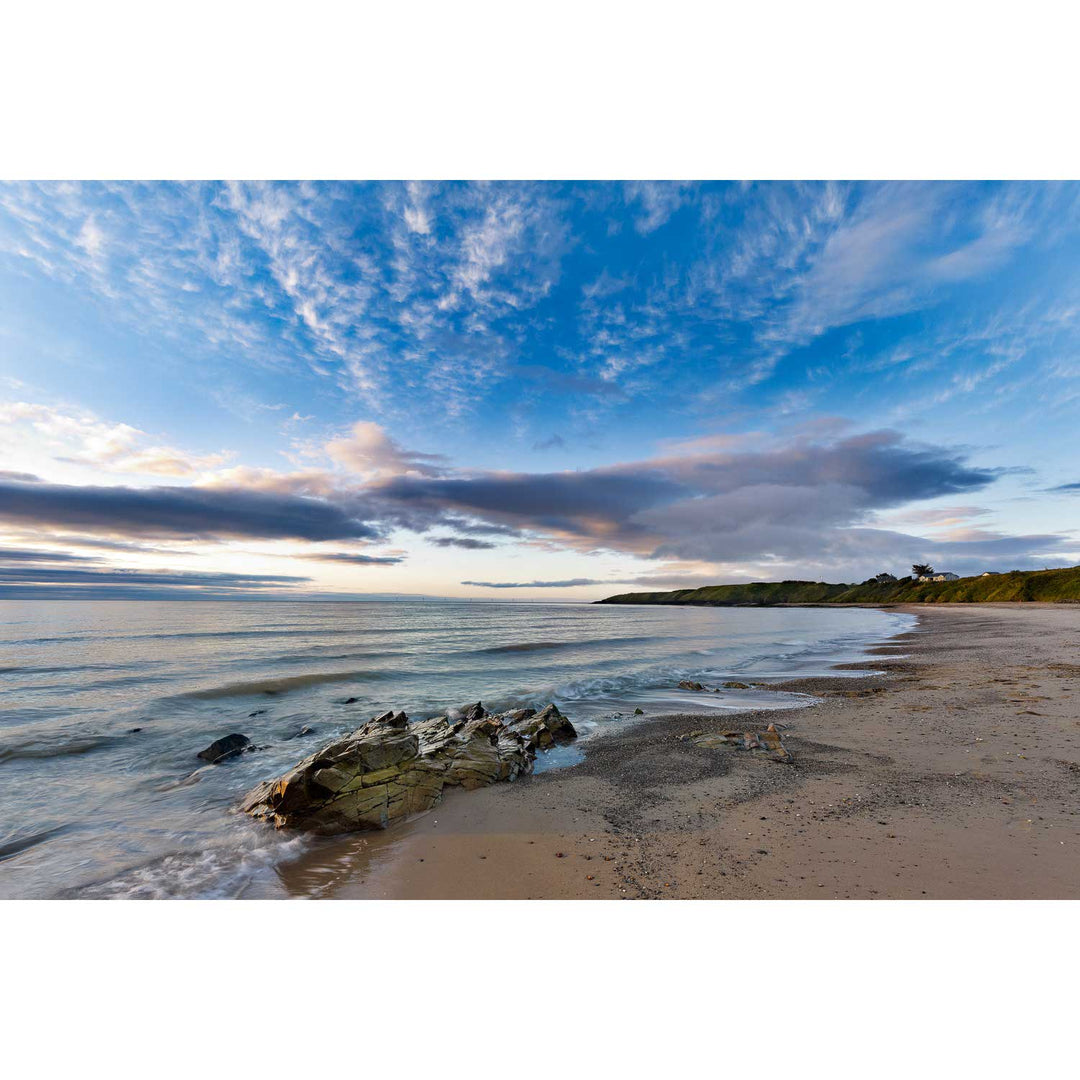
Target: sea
(104, 706)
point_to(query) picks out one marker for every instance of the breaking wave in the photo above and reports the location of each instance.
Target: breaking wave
(217, 873)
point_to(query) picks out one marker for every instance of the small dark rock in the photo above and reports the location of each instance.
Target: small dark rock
(639, 712)
(733, 685)
(135, 731)
(350, 701)
(257, 712)
(305, 730)
(228, 747)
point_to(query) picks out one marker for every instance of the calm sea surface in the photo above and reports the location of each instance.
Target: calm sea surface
(104, 706)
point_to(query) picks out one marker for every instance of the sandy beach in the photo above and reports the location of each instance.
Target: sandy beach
(955, 773)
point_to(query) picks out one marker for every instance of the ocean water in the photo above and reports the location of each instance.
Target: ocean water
(105, 705)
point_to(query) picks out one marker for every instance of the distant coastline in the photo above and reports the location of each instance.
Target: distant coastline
(1017, 586)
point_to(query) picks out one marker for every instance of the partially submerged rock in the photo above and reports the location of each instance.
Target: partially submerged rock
(228, 747)
(300, 733)
(731, 684)
(389, 769)
(541, 730)
(768, 740)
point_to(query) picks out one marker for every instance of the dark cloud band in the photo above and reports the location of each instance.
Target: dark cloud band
(186, 512)
(354, 558)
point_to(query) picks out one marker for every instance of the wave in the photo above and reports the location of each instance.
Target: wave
(282, 685)
(127, 680)
(64, 669)
(225, 872)
(300, 658)
(534, 646)
(345, 631)
(26, 714)
(53, 640)
(300, 631)
(185, 634)
(20, 840)
(526, 647)
(60, 746)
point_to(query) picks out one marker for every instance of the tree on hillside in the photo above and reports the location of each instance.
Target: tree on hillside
(884, 578)
(921, 569)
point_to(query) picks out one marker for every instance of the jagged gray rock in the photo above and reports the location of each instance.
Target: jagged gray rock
(389, 769)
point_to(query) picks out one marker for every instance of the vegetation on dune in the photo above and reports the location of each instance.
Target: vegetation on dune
(1061, 586)
(757, 592)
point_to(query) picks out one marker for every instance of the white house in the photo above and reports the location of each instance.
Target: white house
(945, 576)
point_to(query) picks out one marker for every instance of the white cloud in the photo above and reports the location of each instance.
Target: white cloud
(655, 200)
(371, 454)
(84, 439)
(91, 239)
(418, 217)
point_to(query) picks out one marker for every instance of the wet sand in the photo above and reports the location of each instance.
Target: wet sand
(953, 774)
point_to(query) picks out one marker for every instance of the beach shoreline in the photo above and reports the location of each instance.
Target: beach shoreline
(953, 774)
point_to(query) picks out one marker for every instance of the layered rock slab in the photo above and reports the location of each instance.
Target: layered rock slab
(768, 740)
(390, 769)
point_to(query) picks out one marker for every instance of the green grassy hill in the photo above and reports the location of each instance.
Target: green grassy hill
(758, 592)
(1061, 586)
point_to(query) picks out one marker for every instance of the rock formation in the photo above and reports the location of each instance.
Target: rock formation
(228, 747)
(389, 768)
(768, 740)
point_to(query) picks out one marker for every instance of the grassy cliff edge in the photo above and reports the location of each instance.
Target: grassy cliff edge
(1018, 586)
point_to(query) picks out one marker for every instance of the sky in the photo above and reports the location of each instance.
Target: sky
(532, 390)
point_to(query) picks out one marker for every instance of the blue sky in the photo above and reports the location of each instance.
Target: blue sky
(532, 390)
